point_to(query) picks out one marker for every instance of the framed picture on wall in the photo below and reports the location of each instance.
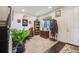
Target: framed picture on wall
(29, 22)
(24, 22)
(18, 20)
(58, 13)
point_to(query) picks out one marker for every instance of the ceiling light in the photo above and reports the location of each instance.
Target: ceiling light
(49, 7)
(22, 10)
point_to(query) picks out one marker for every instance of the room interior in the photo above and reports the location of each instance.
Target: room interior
(41, 29)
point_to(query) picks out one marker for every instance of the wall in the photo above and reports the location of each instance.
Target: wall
(19, 25)
(68, 24)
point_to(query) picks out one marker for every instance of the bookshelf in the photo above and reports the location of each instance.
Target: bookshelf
(36, 27)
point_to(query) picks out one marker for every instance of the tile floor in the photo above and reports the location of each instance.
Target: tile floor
(38, 44)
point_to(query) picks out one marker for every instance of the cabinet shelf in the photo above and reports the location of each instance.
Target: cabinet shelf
(36, 27)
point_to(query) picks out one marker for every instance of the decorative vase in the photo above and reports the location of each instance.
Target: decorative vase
(20, 48)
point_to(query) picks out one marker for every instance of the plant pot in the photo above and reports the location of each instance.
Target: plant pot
(20, 48)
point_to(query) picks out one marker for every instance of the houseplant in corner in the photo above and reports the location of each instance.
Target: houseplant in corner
(18, 37)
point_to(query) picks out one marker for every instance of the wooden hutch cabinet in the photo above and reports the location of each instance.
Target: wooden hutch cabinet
(36, 27)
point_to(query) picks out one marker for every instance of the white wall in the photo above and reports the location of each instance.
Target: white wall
(68, 24)
(19, 25)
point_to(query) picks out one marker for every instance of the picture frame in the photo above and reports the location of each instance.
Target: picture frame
(58, 13)
(24, 22)
(30, 22)
(18, 20)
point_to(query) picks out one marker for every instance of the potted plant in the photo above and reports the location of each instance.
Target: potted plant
(18, 37)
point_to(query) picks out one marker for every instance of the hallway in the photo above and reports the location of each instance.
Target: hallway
(60, 23)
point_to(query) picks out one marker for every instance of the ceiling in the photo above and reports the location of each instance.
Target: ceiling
(28, 10)
(4, 11)
(35, 10)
